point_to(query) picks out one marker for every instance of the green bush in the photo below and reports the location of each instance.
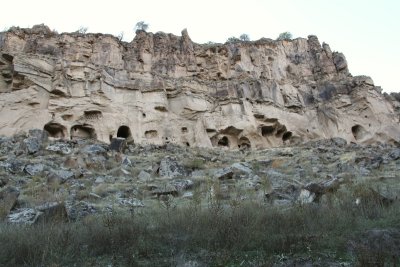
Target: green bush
(287, 36)
(141, 26)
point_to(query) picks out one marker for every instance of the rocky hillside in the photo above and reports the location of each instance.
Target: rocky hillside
(75, 202)
(161, 88)
(80, 178)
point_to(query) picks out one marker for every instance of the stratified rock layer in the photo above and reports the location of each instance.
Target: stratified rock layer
(162, 88)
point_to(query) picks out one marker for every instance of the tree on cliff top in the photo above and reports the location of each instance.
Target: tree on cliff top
(285, 36)
(244, 37)
(141, 26)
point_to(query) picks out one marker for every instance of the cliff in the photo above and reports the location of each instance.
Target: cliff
(161, 88)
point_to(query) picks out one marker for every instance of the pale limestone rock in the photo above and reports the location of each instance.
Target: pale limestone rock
(161, 88)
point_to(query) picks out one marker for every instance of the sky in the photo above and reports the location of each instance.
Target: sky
(366, 31)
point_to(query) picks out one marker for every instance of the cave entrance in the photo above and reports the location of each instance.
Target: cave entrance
(83, 132)
(224, 142)
(358, 132)
(55, 130)
(124, 132)
(244, 143)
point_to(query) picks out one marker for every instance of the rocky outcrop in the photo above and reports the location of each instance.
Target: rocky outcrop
(161, 88)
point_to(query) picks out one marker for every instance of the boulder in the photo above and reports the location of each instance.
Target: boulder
(34, 169)
(182, 185)
(48, 212)
(118, 144)
(144, 176)
(94, 149)
(235, 171)
(23, 216)
(8, 199)
(223, 174)
(37, 133)
(242, 167)
(51, 212)
(395, 154)
(165, 191)
(61, 175)
(32, 145)
(79, 210)
(130, 202)
(321, 188)
(13, 165)
(170, 168)
(306, 197)
(126, 162)
(60, 147)
(3, 181)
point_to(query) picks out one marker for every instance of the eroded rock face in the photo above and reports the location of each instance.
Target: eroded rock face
(161, 88)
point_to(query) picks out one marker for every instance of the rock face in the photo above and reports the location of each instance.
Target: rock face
(161, 88)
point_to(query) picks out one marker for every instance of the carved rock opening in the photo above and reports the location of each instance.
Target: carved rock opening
(161, 108)
(124, 132)
(231, 130)
(84, 131)
(358, 132)
(286, 136)
(244, 143)
(280, 131)
(267, 130)
(184, 129)
(8, 58)
(55, 130)
(224, 142)
(151, 134)
(93, 114)
(67, 117)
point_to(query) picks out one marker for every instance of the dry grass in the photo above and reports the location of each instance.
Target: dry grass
(220, 233)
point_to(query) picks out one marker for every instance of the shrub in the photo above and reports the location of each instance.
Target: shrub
(244, 37)
(82, 30)
(232, 39)
(141, 26)
(287, 36)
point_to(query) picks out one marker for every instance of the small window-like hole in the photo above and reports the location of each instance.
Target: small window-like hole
(267, 130)
(224, 141)
(286, 136)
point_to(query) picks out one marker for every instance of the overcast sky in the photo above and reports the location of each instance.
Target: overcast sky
(366, 31)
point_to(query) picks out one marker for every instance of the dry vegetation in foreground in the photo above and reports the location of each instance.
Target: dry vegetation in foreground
(234, 233)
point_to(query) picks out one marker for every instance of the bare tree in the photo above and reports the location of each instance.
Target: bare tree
(82, 30)
(120, 36)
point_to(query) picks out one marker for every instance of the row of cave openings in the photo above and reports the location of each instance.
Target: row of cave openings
(222, 139)
(82, 131)
(357, 131)
(85, 131)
